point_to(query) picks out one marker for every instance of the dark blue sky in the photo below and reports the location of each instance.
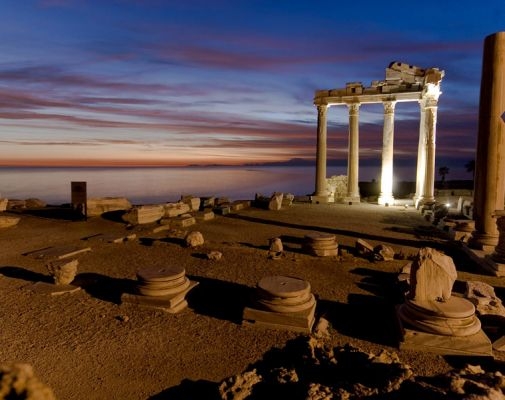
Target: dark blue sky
(183, 82)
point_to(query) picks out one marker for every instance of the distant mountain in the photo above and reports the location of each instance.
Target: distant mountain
(293, 162)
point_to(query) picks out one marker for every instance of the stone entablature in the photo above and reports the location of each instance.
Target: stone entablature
(404, 81)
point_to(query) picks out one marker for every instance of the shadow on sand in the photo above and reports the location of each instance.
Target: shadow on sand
(104, 287)
(219, 299)
(24, 274)
(343, 232)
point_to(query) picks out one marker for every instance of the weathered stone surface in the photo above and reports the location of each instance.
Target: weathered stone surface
(349, 372)
(17, 381)
(276, 245)
(194, 239)
(3, 204)
(7, 221)
(63, 271)
(35, 203)
(176, 209)
(275, 202)
(144, 214)
(485, 300)
(363, 248)
(383, 252)
(183, 221)
(207, 202)
(287, 200)
(239, 387)
(16, 204)
(214, 255)
(432, 276)
(192, 202)
(99, 205)
(205, 215)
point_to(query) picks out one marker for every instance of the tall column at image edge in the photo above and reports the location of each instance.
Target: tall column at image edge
(353, 156)
(386, 194)
(320, 195)
(489, 190)
(430, 122)
(421, 157)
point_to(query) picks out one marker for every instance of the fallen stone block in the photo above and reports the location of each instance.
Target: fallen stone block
(383, 252)
(194, 239)
(183, 221)
(485, 300)
(15, 204)
(275, 202)
(176, 209)
(144, 214)
(63, 271)
(205, 215)
(192, 202)
(35, 203)
(363, 248)
(100, 205)
(7, 221)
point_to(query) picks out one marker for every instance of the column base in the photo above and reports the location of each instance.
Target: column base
(484, 242)
(352, 199)
(386, 200)
(319, 199)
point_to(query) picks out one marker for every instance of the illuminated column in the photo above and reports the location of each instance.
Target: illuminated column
(353, 156)
(430, 124)
(320, 193)
(490, 160)
(421, 157)
(386, 195)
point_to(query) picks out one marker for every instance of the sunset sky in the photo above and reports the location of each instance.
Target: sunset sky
(154, 82)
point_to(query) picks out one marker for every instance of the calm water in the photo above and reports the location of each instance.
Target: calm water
(153, 185)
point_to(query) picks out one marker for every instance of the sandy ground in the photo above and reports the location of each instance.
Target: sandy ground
(87, 345)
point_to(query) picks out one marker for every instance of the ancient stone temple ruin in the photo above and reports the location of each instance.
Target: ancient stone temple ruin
(403, 83)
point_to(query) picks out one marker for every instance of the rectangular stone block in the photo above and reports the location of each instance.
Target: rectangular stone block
(58, 252)
(144, 214)
(205, 215)
(298, 322)
(183, 222)
(176, 209)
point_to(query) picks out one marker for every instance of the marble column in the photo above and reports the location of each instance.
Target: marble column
(386, 194)
(421, 157)
(430, 123)
(321, 153)
(490, 160)
(353, 156)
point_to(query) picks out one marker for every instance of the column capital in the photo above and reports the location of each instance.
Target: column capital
(389, 106)
(353, 108)
(322, 109)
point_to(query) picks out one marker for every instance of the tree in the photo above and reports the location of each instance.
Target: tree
(470, 166)
(443, 171)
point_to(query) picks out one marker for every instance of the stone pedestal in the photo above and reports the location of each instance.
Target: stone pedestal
(282, 302)
(432, 319)
(321, 244)
(161, 287)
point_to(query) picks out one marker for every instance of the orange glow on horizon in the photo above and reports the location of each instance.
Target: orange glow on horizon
(128, 162)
